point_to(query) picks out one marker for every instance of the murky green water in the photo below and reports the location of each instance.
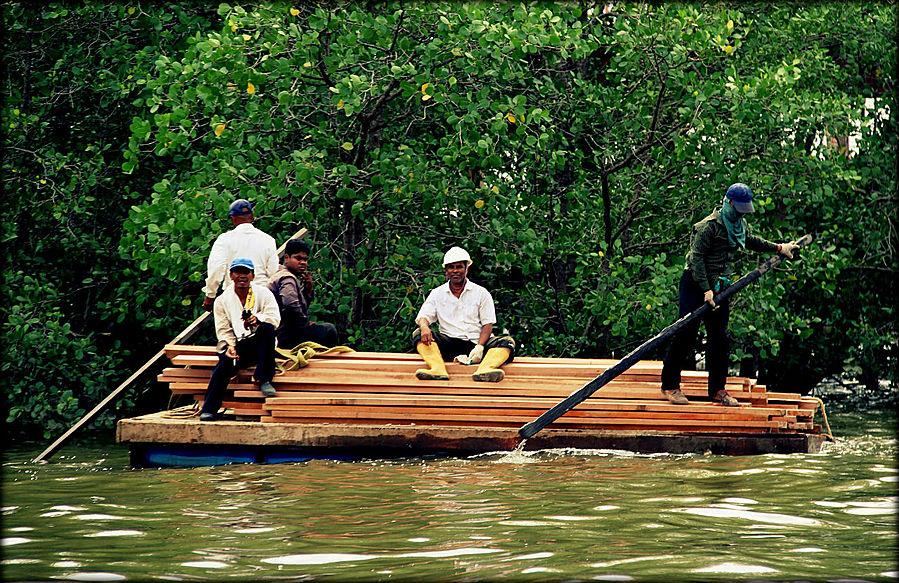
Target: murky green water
(552, 515)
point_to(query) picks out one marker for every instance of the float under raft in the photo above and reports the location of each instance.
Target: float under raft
(369, 404)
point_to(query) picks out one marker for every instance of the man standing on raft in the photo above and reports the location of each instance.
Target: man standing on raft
(465, 314)
(715, 241)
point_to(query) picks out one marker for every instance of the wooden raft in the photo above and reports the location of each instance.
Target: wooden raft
(375, 388)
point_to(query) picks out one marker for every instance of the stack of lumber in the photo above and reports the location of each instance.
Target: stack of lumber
(381, 388)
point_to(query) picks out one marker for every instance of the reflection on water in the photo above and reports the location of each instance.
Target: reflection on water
(548, 515)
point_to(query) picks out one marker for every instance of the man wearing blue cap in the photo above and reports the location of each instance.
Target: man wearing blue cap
(715, 241)
(244, 240)
(246, 316)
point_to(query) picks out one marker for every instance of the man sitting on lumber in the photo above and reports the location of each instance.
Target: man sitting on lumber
(245, 318)
(292, 287)
(715, 241)
(466, 315)
(244, 240)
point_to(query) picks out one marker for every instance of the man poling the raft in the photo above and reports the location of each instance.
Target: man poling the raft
(465, 313)
(716, 240)
(703, 293)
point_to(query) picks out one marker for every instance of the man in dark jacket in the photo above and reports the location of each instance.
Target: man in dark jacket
(716, 239)
(293, 288)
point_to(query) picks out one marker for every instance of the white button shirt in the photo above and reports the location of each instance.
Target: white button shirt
(461, 317)
(228, 308)
(244, 240)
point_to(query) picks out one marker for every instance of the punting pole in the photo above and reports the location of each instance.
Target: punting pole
(185, 335)
(530, 429)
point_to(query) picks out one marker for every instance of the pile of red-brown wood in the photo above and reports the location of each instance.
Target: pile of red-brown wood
(381, 388)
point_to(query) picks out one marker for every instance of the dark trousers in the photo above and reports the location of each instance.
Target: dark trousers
(683, 344)
(321, 333)
(258, 349)
(451, 347)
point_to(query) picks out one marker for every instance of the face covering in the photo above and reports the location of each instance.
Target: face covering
(733, 221)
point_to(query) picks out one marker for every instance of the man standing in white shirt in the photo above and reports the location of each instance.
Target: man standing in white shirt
(465, 314)
(244, 240)
(246, 316)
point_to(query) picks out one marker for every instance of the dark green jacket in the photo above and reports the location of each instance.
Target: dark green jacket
(711, 255)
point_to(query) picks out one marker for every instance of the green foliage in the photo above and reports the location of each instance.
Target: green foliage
(568, 147)
(71, 75)
(50, 370)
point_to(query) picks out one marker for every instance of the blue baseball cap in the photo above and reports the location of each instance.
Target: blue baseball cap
(240, 207)
(242, 262)
(741, 195)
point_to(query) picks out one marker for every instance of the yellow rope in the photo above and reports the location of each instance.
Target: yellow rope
(829, 434)
(300, 355)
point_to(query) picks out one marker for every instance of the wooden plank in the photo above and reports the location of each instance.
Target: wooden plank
(194, 360)
(254, 408)
(472, 427)
(412, 415)
(321, 414)
(246, 414)
(480, 389)
(177, 350)
(180, 373)
(382, 377)
(325, 410)
(314, 372)
(374, 399)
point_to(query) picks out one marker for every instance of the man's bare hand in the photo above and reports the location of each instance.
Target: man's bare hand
(207, 303)
(231, 352)
(709, 298)
(787, 249)
(306, 278)
(426, 336)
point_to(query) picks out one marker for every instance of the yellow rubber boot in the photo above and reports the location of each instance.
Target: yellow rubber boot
(431, 354)
(490, 370)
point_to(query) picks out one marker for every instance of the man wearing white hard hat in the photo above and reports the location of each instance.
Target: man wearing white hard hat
(465, 314)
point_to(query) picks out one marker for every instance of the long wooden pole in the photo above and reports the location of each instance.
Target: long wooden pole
(530, 429)
(185, 335)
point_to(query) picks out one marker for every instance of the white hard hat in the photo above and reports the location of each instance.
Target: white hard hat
(456, 254)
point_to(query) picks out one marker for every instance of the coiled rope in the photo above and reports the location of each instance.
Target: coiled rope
(184, 412)
(300, 355)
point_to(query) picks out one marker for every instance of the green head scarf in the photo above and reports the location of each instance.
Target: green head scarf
(733, 221)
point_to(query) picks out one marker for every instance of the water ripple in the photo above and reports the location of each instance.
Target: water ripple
(735, 569)
(105, 533)
(768, 517)
(451, 553)
(95, 576)
(205, 564)
(317, 559)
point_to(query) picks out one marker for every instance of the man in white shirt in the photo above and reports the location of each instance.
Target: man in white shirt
(244, 240)
(246, 316)
(465, 314)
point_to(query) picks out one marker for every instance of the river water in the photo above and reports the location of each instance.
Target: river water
(566, 515)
